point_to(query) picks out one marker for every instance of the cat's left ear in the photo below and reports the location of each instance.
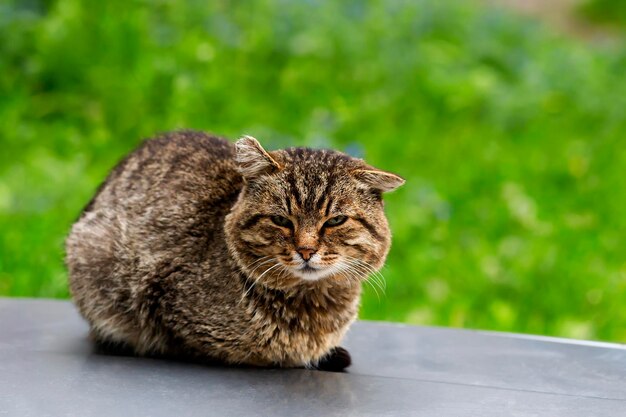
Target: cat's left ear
(252, 159)
(379, 180)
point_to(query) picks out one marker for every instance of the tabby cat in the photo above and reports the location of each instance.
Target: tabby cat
(198, 248)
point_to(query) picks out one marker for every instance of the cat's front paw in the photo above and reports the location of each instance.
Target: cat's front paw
(337, 360)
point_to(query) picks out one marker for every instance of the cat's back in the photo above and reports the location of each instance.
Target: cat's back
(162, 169)
(164, 203)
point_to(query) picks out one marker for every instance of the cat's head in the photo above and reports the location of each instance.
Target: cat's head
(307, 215)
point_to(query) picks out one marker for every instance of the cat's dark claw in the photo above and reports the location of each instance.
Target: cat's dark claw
(337, 360)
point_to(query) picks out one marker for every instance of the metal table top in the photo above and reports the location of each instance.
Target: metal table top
(48, 367)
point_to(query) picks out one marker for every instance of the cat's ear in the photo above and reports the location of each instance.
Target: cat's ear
(378, 180)
(252, 159)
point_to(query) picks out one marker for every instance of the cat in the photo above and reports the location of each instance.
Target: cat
(198, 248)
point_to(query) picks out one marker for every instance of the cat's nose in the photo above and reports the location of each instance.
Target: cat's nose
(306, 252)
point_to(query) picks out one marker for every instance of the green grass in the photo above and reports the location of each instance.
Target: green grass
(512, 139)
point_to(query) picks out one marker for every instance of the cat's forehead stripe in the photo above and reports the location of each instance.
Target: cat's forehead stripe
(294, 189)
(309, 191)
(329, 204)
(288, 202)
(312, 177)
(324, 198)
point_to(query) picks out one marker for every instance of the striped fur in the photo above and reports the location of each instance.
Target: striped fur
(180, 254)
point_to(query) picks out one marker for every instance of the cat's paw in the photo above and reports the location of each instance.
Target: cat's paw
(337, 360)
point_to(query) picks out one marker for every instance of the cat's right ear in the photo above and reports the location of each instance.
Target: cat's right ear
(379, 180)
(252, 159)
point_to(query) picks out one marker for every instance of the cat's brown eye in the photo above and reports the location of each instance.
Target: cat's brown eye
(336, 221)
(282, 221)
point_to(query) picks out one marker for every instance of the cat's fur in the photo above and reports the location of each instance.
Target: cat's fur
(178, 255)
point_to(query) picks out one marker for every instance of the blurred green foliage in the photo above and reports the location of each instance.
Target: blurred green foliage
(606, 11)
(511, 138)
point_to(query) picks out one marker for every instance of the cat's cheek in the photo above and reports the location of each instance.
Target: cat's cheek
(361, 246)
(253, 238)
(273, 240)
(342, 236)
(337, 234)
(283, 239)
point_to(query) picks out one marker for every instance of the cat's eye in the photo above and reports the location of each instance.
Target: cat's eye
(281, 221)
(336, 221)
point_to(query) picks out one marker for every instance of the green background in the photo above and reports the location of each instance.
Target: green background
(510, 134)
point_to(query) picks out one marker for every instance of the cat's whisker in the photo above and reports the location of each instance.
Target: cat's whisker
(368, 272)
(335, 271)
(267, 270)
(374, 271)
(364, 264)
(258, 260)
(358, 274)
(355, 276)
(347, 277)
(379, 277)
(357, 266)
(269, 259)
(263, 260)
(283, 270)
(361, 269)
(254, 265)
(248, 291)
(376, 279)
(342, 269)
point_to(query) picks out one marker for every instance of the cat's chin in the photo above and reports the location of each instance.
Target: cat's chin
(311, 274)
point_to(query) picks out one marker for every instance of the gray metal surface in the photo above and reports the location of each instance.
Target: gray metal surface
(48, 368)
